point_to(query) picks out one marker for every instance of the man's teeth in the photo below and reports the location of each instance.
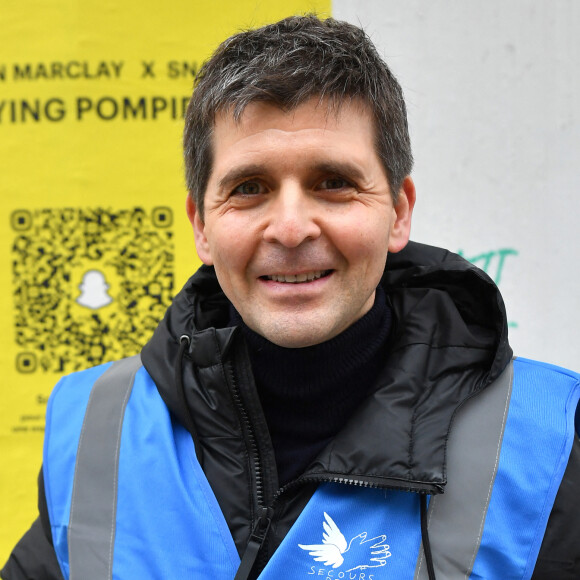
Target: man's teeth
(296, 279)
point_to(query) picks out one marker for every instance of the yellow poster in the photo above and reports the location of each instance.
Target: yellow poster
(94, 239)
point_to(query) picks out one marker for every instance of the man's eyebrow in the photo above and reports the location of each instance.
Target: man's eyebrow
(343, 168)
(241, 172)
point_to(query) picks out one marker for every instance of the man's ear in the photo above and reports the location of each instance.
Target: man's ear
(201, 242)
(403, 210)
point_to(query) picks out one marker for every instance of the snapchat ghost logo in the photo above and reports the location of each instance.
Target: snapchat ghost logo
(94, 289)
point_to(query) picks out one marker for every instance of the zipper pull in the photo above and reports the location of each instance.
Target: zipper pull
(254, 544)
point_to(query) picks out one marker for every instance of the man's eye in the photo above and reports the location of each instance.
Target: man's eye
(248, 188)
(334, 183)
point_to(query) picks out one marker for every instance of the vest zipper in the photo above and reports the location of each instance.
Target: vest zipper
(255, 543)
(251, 439)
(435, 488)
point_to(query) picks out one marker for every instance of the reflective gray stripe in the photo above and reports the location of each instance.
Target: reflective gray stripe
(456, 518)
(91, 531)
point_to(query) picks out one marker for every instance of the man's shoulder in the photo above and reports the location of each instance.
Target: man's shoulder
(541, 367)
(553, 381)
(91, 374)
(74, 390)
(551, 375)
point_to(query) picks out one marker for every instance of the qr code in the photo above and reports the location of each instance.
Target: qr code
(90, 284)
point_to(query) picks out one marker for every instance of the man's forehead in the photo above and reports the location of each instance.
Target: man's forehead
(312, 115)
(315, 108)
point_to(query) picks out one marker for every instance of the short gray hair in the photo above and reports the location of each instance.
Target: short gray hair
(286, 64)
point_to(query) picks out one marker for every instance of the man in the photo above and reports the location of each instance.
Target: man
(303, 411)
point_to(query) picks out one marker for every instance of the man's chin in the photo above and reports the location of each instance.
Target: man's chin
(298, 333)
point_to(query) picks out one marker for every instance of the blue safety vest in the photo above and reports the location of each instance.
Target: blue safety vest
(127, 498)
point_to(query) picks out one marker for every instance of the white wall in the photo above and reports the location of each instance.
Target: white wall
(493, 92)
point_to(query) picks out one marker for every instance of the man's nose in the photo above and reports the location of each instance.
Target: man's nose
(293, 217)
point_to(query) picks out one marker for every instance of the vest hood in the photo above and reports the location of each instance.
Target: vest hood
(448, 342)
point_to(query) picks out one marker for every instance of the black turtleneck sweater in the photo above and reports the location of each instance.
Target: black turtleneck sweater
(309, 393)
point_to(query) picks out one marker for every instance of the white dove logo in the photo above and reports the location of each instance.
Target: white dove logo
(334, 550)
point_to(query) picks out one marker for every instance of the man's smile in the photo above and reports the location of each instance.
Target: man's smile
(297, 278)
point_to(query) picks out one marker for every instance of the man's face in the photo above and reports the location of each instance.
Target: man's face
(299, 218)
